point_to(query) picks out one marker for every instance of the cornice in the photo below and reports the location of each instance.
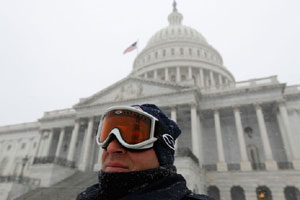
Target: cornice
(130, 77)
(23, 127)
(233, 91)
(126, 101)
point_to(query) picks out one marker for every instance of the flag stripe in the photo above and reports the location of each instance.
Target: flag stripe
(131, 48)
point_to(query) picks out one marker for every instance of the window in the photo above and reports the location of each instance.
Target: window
(263, 193)
(181, 51)
(23, 146)
(237, 193)
(291, 193)
(172, 51)
(213, 192)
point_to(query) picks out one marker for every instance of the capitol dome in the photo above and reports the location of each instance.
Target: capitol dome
(180, 54)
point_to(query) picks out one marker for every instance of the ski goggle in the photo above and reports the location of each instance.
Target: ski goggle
(133, 128)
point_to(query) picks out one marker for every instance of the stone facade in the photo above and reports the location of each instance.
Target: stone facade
(238, 138)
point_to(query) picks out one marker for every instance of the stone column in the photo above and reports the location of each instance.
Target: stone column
(60, 142)
(285, 139)
(98, 163)
(270, 163)
(190, 73)
(174, 118)
(220, 79)
(72, 146)
(212, 79)
(41, 145)
(222, 165)
(289, 135)
(155, 74)
(166, 74)
(48, 143)
(201, 78)
(178, 77)
(87, 145)
(245, 164)
(12, 164)
(195, 137)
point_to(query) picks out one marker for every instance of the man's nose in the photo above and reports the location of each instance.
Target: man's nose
(115, 147)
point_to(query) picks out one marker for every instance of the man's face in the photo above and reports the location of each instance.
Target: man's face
(117, 159)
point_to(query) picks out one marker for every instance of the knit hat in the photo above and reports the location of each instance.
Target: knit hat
(166, 130)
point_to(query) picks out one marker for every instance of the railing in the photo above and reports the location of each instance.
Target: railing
(59, 112)
(20, 180)
(211, 167)
(258, 166)
(43, 160)
(242, 84)
(56, 160)
(234, 166)
(285, 165)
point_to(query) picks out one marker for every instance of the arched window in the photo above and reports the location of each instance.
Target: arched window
(263, 193)
(213, 192)
(181, 51)
(190, 51)
(237, 193)
(291, 193)
(172, 51)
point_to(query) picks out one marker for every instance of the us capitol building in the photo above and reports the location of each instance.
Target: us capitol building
(240, 140)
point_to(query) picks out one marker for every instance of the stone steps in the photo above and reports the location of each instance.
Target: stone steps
(64, 190)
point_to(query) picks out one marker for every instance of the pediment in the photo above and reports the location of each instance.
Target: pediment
(130, 88)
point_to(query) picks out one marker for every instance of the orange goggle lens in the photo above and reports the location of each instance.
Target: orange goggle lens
(134, 127)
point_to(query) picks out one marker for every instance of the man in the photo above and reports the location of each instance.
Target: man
(138, 157)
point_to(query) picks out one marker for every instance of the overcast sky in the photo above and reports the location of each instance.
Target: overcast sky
(54, 52)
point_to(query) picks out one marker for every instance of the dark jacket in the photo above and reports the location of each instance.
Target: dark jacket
(168, 188)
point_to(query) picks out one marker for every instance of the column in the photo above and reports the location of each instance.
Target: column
(201, 78)
(48, 143)
(87, 145)
(98, 164)
(178, 77)
(284, 136)
(155, 74)
(270, 163)
(174, 118)
(60, 143)
(166, 74)
(289, 135)
(190, 73)
(195, 138)
(222, 165)
(12, 164)
(212, 80)
(41, 145)
(220, 80)
(245, 164)
(72, 147)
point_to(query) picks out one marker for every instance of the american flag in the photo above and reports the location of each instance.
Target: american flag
(131, 48)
